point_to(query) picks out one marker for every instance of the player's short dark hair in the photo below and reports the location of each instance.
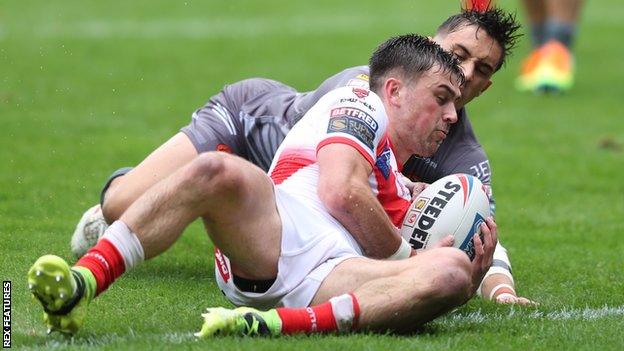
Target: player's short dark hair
(412, 54)
(498, 24)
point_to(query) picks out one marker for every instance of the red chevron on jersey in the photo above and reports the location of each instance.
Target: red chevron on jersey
(289, 162)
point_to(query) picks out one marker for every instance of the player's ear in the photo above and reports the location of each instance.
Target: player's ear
(391, 89)
(487, 85)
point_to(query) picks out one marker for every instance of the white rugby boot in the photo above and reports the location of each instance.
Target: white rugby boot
(88, 231)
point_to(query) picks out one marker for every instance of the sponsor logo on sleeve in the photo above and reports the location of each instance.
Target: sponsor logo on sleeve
(357, 113)
(354, 122)
(362, 77)
(360, 93)
(383, 162)
(338, 124)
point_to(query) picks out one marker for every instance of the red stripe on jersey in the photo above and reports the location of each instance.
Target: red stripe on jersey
(347, 141)
(288, 163)
(387, 195)
(399, 162)
(387, 191)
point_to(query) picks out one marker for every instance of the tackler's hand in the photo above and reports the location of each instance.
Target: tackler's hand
(415, 188)
(484, 244)
(511, 299)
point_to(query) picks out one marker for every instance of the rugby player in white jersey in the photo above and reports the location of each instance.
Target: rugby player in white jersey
(251, 118)
(332, 194)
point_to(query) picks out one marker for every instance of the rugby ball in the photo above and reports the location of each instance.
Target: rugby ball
(456, 204)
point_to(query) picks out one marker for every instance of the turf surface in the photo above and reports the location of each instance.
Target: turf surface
(89, 86)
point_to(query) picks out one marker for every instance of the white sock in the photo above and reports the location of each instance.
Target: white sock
(126, 242)
(344, 310)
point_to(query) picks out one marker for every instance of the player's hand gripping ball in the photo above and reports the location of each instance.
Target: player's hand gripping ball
(456, 204)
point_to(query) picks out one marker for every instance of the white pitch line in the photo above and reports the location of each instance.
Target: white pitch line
(585, 314)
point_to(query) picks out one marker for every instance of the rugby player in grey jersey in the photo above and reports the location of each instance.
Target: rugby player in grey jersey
(250, 118)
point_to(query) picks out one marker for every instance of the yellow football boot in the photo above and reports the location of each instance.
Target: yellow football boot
(62, 292)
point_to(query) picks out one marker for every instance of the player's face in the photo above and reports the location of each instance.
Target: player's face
(429, 111)
(479, 55)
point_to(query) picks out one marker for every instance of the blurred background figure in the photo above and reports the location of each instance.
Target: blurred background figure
(550, 66)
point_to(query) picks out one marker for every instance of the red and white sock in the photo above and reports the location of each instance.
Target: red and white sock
(340, 314)
(117, 251)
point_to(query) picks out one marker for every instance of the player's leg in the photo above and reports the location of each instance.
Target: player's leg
(220, 125)
(557, 62)
(362, 294)
(211, 128)
(220, 188)
(379, 295)
(536, 14)
(64, 292)
(166, 159)
(550, 67)
(556, 68)
(125, 185)
(562, 18)
(401, 295)
(235, 200)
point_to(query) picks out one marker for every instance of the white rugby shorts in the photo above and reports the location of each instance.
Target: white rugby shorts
(313, 243)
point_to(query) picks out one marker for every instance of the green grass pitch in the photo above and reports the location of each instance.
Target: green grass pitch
(90, 86)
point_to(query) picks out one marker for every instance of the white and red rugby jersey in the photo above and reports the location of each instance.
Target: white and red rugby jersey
(348, 115)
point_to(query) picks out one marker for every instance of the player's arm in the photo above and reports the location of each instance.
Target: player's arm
(498, 283)
(343, 188)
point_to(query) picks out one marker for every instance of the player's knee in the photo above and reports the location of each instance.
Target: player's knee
(214, 172)
(207, 167)
(116, 201)
(451, 276)
(456, 277)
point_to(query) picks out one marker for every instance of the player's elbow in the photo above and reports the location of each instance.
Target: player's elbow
(338, 198)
